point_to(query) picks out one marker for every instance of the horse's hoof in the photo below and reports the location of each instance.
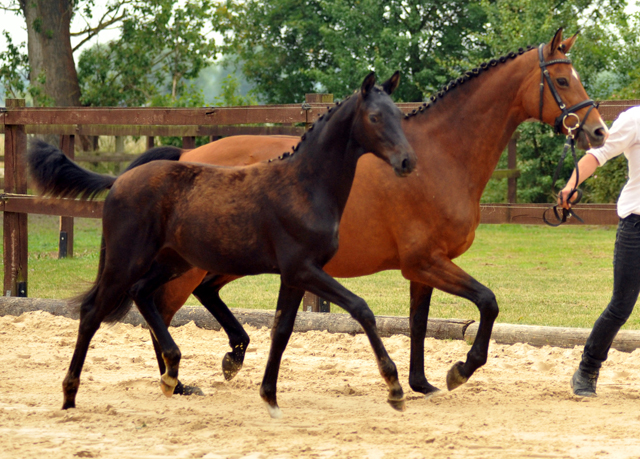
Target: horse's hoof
(455, 377)
(189, 390)
(230, 367)
(68, 404)
(397, 405)
(274, 411)
(433, 393)
(168, 384)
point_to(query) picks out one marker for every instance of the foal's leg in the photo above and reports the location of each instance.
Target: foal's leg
(106, 295)
(318, 282)
(442, 274)
(208, 293)
(419, 314)
(289, 300)
(142, 292)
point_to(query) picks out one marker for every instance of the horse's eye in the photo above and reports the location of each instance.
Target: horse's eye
(374, 118)
(563, 82)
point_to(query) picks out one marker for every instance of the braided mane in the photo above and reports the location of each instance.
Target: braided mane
(466, 77)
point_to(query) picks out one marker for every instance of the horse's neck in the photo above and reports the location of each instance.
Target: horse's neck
(474, 122)
(326, 159)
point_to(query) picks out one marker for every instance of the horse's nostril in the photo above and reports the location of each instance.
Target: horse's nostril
(406, 164)
(599, 133)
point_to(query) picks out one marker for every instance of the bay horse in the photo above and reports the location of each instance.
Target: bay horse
(163, 218)
(418, 225)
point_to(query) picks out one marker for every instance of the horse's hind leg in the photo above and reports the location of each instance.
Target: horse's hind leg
(106, 295)
(142, 292)
(444, 275)
(419, 314)
(208, 293)
(289, 300)
(321, 284)
(90, 320)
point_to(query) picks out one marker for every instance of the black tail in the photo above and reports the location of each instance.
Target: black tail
(56, 175)
(84, 303)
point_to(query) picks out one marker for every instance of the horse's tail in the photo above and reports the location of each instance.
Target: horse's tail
(56, 175)
(85, 302)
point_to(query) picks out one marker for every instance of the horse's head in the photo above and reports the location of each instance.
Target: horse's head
(377, 125)
(556, 96)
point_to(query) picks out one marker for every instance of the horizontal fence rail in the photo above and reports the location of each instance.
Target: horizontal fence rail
(16, 121)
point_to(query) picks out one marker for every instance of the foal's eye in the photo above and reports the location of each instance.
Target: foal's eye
(374, 118)
(563, 82)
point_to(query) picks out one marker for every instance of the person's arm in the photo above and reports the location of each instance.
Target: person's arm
(586, 167)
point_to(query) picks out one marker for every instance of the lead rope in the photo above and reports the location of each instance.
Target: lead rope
(569, 144)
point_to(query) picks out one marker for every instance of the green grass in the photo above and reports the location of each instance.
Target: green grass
(540, 275)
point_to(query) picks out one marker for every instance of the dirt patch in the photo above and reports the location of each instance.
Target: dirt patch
(331, 394)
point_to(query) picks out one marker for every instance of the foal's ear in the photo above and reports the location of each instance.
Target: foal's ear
(554, 44)
(392, 83)
(368, 84)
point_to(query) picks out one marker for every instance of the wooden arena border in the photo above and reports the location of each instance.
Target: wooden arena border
(16, 121)
(455, 329)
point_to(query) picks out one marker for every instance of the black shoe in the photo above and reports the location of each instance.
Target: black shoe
(583, 384)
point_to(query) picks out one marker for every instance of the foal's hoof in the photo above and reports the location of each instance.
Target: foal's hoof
(455, 377)
(230, 367)
(186, 390)
(433, 392)
(397, 405)
(168, 384)
(274, 411)
(68, 404)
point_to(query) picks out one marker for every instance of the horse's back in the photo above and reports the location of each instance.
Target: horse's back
(241, 150)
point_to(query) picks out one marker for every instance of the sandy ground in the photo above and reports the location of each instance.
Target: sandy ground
(517, 406)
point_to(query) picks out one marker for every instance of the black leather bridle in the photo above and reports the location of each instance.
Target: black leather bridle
(572, 131)
(561, 119)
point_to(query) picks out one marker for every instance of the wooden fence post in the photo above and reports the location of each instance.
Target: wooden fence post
(65, 245)
(150, 142)
(311, 302)
(512, 187)
(15, 237)
(188, 142)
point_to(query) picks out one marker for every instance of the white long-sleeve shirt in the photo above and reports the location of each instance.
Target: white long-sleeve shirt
(624, 137)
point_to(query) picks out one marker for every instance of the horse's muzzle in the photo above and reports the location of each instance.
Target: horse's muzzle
(406, 163)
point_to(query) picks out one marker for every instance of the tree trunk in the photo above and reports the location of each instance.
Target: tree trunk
(53, 71)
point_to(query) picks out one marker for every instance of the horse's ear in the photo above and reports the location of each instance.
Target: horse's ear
(568, 43)
(368, 84)
(554, 44)
(392, 83)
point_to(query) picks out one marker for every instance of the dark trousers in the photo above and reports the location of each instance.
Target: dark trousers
(626, 286)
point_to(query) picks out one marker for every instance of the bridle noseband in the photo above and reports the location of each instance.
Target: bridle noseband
(561, 121)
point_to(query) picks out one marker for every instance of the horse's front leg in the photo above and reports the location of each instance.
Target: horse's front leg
(418, 317)
(442, 274)
(320, 283)
(289, 300)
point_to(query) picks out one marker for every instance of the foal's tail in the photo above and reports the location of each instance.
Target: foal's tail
(56, 175)
(84, 303)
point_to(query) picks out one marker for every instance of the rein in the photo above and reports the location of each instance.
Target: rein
(561, 121)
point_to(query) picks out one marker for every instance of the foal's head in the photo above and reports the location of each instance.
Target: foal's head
(563, 80)
(377, 126)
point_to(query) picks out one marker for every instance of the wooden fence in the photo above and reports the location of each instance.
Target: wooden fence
(16, 121)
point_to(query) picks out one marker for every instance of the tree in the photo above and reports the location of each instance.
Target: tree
(291, 47)
(162, 43)
(138, 68)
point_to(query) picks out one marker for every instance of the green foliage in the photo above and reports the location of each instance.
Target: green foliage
(14, 68)
(230, 95)
(163, 45)
(292, 47)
